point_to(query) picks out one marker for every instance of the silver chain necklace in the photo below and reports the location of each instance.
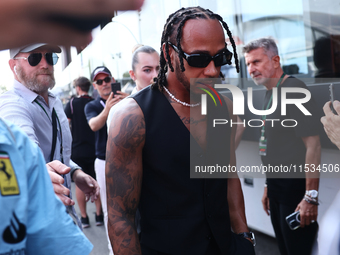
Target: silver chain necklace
(179, 101)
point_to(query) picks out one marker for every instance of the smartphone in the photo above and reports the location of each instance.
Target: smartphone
(293, 220)
(115, 86)
(331, 95)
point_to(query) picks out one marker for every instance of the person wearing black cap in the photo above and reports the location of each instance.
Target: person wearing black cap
(41, 116)
(96, 113)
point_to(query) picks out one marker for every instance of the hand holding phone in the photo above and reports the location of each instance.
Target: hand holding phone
(115, 86)
(331, 95)
(293, 220)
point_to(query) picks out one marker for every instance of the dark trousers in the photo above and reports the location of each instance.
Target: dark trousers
(299, 241)
(212, 250)
(238, 246)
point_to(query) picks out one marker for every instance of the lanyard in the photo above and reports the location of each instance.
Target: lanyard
(102, 103)
(263, 140)
(54, 121)
(268, 105)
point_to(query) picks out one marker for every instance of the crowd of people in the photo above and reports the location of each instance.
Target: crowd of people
(132, 154)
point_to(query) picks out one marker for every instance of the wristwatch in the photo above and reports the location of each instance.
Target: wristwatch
(249, 235)
(312, 193)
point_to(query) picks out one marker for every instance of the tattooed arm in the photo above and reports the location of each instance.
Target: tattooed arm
(235, 195)
(124, 176)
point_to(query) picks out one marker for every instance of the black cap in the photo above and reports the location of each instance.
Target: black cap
(99, 70)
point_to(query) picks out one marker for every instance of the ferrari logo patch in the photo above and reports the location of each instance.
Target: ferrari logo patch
(8, 180)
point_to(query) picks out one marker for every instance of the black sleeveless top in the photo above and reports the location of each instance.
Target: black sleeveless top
(180, 215)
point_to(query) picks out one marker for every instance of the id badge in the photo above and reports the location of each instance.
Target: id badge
(263, 146)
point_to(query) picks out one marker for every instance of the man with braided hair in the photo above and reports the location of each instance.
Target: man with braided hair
(149, 150)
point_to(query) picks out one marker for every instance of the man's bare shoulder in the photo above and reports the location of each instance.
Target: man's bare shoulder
(126, 138)
(125, 108)
(127, 121)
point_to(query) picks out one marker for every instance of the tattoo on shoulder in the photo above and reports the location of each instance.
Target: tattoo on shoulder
(122, 163)
(131, 134)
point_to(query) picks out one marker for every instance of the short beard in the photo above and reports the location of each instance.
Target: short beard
(106, 94)
(181, 77)
(260, 82)
(186, 84)
(32, 83)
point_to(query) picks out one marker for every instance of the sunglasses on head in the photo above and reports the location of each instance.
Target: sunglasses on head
(107, 79)
(35, 58)
(203, 60)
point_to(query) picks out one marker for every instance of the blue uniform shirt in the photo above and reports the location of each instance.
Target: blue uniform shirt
(93, 109)
(33, 219)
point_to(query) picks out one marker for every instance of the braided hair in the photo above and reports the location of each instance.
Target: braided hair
(173, 27)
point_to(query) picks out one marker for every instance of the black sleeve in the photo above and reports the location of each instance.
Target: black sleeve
(90, 111)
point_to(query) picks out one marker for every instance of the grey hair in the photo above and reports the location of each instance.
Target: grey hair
(268, 44)
(145, 49)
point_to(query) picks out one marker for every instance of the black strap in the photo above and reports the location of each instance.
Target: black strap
(55, 130)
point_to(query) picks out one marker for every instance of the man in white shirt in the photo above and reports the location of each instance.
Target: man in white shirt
(41, 115)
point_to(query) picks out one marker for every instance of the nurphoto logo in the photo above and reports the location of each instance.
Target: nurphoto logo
(238, 104)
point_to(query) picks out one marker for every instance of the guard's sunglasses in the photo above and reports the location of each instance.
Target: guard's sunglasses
(35, 58)
(203, 60)
(107, 79)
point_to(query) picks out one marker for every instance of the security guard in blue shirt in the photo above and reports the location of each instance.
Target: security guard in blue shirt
(33, 219)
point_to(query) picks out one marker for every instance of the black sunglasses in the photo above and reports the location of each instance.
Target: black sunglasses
(35, 58)
(107, 79)
(203, 60)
